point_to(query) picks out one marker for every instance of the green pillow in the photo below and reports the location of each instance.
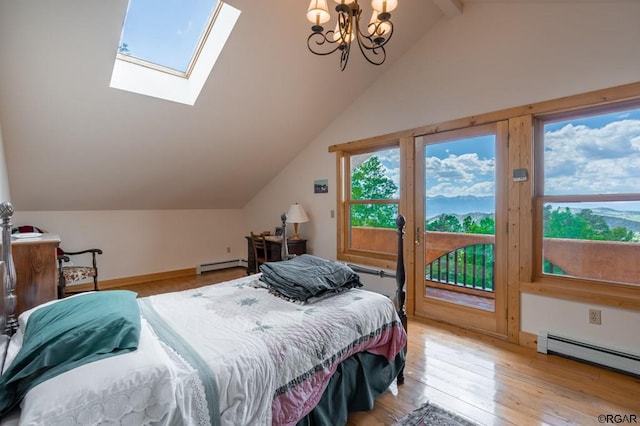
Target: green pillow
(68, 334)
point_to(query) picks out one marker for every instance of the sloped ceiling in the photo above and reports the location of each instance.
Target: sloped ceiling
(73, 143)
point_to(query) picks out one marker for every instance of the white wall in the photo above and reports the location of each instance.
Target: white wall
(494, 56)
(619, 328)
(146, 241)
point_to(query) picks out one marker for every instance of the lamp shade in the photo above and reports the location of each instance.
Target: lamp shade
(318, 12)
(296, 214)
(384, 5)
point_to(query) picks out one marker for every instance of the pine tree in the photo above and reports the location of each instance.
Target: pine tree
(368, 182)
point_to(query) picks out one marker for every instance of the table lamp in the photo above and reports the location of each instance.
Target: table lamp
(296, 215)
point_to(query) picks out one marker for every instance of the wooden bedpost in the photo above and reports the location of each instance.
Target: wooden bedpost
(6, 211)
(400, 282)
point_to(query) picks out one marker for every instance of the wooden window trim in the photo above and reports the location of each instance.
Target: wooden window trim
(616, 295)
(622, 295)
(344, 202)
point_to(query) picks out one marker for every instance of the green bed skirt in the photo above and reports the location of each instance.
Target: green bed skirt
(356, 383)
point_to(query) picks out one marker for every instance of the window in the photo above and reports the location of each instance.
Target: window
(588, 199)
(370, 204)
(460, 199)
(168, 49)
(166, 35)
(569, 227)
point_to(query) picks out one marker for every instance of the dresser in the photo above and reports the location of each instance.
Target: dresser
(35, 260)
(274, 248)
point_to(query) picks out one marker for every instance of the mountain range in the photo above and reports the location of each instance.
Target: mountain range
(461, 205)
(479, 207)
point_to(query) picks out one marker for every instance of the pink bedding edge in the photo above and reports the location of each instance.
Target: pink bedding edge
(289, 407)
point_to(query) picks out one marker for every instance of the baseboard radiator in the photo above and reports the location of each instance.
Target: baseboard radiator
(563, 346)
(215, 266)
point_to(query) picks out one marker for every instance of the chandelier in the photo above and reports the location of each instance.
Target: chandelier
(371, 41)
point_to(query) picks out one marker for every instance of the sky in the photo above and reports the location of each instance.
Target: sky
(462, 167)
(593, 155)
(165, 32)
(390, 159)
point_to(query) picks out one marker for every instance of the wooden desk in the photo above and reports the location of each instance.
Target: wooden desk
(36, 265)
(274, 248)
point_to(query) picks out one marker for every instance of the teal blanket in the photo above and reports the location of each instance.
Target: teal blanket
(68, 334)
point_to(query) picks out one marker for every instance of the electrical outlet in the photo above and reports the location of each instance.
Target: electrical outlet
(332, 214)
(228, 249)
(595, 316)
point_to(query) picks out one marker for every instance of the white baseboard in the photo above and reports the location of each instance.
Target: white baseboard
(215, 266)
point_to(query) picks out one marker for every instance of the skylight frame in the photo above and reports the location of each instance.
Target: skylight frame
(143, 77)
(194, 58)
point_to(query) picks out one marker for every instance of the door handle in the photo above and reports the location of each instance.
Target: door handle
(417, 239)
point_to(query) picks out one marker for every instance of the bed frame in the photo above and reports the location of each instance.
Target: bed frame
(400, 277)
(8, 320)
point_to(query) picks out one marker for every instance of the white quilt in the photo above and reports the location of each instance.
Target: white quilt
(271, 360)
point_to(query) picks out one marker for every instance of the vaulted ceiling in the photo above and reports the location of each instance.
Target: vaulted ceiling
(73, 143)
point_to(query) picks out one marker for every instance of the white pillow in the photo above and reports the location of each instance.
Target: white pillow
(139, 387)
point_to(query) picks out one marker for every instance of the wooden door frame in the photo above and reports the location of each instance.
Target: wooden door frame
(494, 323)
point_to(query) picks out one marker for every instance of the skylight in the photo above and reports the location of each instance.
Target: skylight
(168, 49)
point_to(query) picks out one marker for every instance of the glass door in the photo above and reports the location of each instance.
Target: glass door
(461, 226)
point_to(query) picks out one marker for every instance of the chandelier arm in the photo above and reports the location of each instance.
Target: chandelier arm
(320, 39)
(381, 39)
(370, 53)
(344, 56)
(345, 21)
(374, 52)
(371, 46)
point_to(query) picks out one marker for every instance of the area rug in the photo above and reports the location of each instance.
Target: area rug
(431, 414)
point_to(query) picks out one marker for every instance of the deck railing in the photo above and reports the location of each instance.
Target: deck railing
(610, 260)
(469, 267)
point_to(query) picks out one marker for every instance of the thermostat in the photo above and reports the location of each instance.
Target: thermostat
(520, 175)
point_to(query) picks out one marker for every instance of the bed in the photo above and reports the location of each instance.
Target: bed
(240, 352)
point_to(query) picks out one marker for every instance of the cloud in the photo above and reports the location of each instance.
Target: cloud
(578, 159)
(180, 32)
(585, 160)
(453, 189)
(457, 175)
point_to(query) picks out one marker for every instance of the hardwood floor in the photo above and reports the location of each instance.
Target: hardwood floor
(490, 381)
(185, 283)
